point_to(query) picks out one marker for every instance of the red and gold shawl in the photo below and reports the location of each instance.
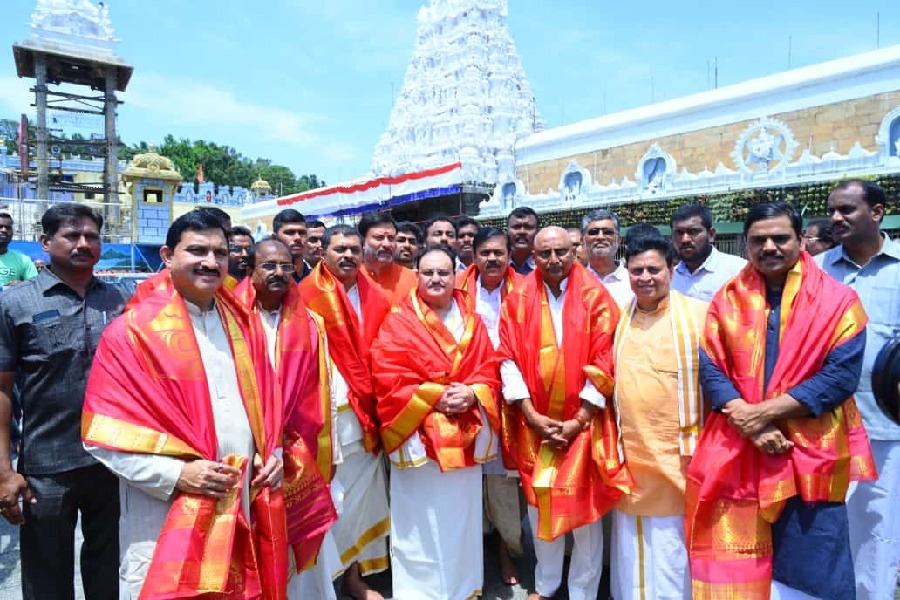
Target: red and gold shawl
(417, 358)
(159, 281)
(735, 492)
(148, 393)
(303, 379)
(467, 281)
(348, 340)
(576, 485)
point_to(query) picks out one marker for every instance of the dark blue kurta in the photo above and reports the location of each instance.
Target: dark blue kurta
(811, 542)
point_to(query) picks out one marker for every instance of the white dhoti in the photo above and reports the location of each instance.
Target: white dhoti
(875, 525)
(585, 567)
(364, 523)
(436, 551)
(648, 558)
(783, 592)
(317, 582)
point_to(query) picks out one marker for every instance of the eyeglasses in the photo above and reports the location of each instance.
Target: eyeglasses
(605, 231)
(442, 273)
(273, 266)
(811, 238)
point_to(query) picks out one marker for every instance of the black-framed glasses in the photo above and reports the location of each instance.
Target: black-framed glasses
(604, 230)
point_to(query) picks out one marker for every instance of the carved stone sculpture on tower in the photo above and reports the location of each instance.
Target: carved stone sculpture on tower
(464, 74)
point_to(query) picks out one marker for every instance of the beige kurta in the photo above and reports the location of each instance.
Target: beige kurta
(647, 394)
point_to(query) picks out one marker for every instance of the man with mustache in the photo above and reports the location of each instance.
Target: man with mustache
(521, 227)
(466, 230)
(600, 231)
(238, 246)
(441, 229)
(352, 307)
(578, 243)
(379, 233)
(556, 338)
(183, 407)
(289, 226)
(435, 381)
(313, 248)
(14, 266)
(486, 282)
(409, 241)
(660, 408)
(296, 351)
(49, 329)
(780, 359)
(702, 269)
(867, 260)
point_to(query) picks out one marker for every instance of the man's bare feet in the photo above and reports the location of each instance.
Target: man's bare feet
(509, 574)
(356, 587)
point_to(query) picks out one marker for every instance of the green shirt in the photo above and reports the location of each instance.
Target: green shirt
(15, 266)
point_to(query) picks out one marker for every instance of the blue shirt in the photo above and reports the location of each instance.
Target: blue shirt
(878, 286)
(706, 279)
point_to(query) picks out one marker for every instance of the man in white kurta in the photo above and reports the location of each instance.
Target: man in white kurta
(659, 404)
(335, 291)
(197, 264)
(437, 433)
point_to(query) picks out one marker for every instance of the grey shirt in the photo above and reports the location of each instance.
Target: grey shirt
(48, 335)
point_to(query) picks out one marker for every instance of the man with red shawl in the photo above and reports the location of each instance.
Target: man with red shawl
(556, 336)
(780, 359)
(296, 350)
(352, 307)
(435, 377)
(181, 405)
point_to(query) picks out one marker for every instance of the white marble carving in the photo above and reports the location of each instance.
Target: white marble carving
(574, 180)
(73, 22)
(465, 96)
(655, 170)
(887, 145)
(764, 146)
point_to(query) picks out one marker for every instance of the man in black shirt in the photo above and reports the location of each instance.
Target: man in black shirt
(49, 329)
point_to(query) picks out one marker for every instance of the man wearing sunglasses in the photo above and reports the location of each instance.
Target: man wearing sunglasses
(600, 232)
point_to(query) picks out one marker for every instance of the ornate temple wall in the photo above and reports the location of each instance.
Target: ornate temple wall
(820, 129)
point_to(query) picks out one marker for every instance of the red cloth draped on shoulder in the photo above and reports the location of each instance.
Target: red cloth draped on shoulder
(734, 492)
(574, 486)
(417, 358)
(468, 280)
(348, 341)
(147, 393)
(303, 380)
(396, 281)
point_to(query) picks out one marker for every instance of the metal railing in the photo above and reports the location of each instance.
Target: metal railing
(27, 213)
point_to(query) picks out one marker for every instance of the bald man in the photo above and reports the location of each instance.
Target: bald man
(556, 336)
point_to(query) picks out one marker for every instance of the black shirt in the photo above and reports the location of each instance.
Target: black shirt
(48, 335)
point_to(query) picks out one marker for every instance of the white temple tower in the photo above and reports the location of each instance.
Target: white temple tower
(465, 96)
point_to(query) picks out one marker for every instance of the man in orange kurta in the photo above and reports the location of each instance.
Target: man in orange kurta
(435, 379)
(779, 361)
(556, 335)
(296, 350)
(379, 232)
(182, 405)
(352, 308)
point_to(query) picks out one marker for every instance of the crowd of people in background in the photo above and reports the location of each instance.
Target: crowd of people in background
(283, 417)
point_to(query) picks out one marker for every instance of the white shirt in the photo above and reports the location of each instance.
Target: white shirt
(617, 283)
(709, 277)
(514, 387)
(347, 430)
(487, 304)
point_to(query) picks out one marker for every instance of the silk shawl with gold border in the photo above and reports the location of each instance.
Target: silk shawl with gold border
(417, 358)
(734, 491)
(147, 393)
(349, 341)
(576, 485)
(303, 379)
(467, 281)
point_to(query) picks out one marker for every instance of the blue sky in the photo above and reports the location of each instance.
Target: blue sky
(308, 83)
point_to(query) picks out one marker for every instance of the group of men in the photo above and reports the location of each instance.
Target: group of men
(719, 412)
